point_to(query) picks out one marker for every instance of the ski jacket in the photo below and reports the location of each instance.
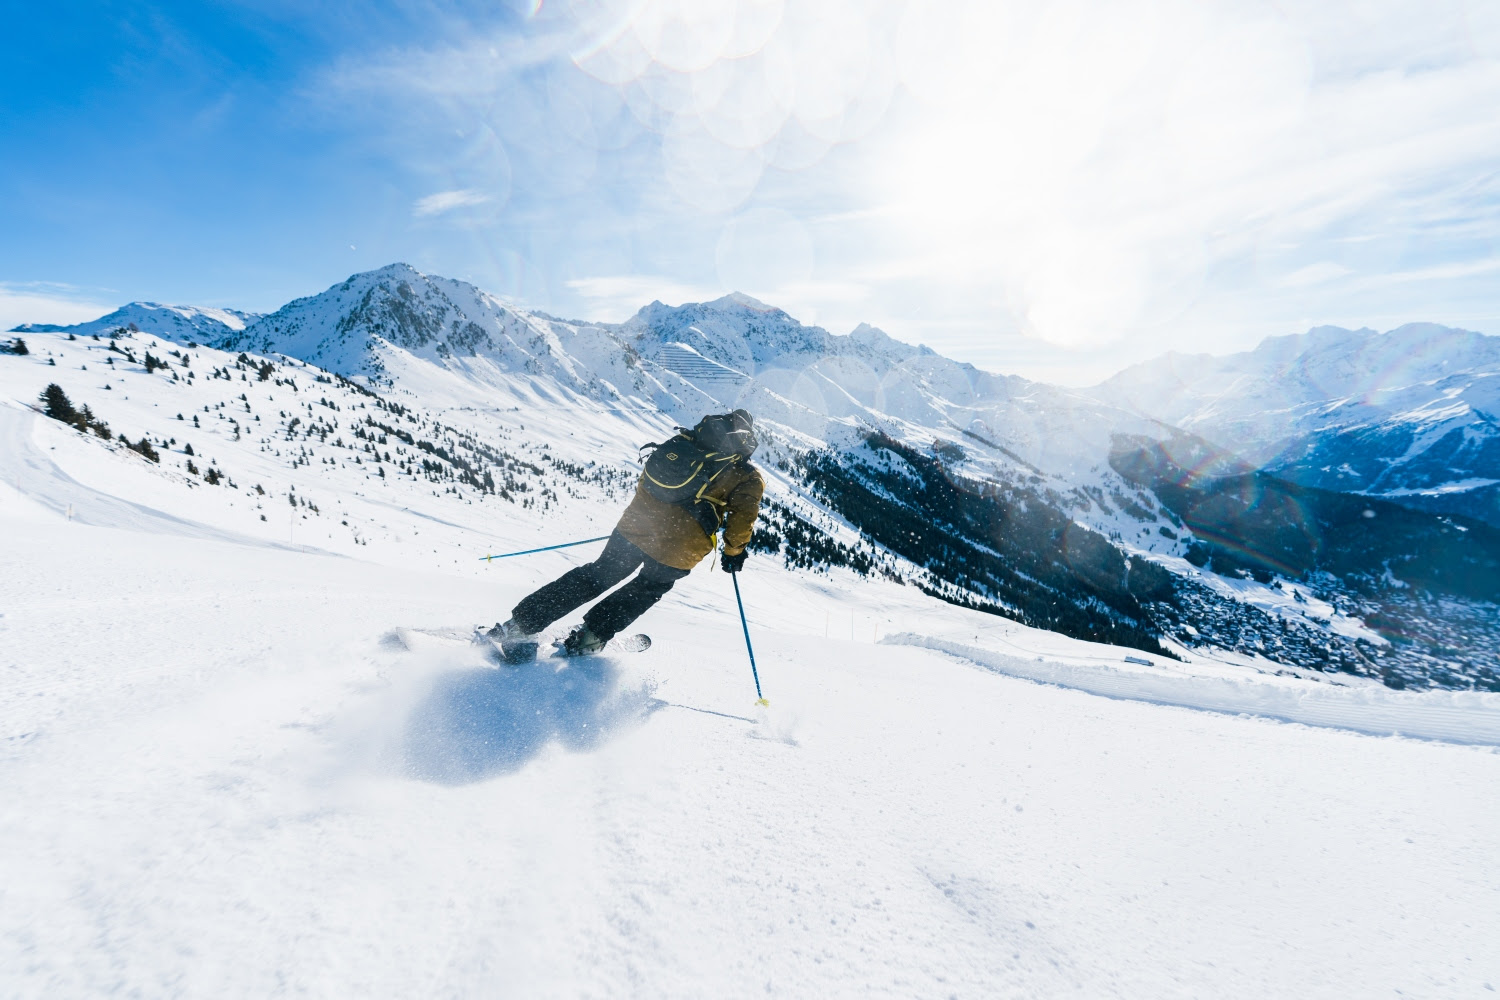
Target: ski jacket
(670, 534)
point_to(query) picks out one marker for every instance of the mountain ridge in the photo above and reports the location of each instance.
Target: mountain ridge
(1408, 415)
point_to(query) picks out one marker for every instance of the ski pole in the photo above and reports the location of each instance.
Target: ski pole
(544, 548)
(760, 699)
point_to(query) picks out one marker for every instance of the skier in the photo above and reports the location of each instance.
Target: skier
(694, 485)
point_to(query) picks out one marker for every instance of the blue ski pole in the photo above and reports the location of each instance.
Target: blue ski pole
(759, 698)
(544, 548)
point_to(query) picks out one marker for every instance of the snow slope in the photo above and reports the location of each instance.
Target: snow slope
(222, 785)
(222, 780)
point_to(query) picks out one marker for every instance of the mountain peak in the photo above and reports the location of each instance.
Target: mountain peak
(873, 337)
(426, 315)
(741, 299)
(395, 269)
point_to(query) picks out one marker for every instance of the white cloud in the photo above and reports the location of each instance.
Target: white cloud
(1315, 274)
(45, 303)
(447, 201)
(1447, 272)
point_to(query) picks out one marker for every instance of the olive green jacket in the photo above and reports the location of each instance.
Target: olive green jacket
(671, 535)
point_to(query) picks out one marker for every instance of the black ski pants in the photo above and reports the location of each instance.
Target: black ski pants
(582, 584)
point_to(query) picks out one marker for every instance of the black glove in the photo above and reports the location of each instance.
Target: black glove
(732, 563)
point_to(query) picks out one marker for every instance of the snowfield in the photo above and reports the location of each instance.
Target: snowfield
(223, 775)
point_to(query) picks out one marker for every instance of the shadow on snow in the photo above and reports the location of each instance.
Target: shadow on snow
(479, 723)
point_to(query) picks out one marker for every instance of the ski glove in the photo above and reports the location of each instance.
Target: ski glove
(732, 564)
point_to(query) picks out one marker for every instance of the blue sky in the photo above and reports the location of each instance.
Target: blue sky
(1054, 189)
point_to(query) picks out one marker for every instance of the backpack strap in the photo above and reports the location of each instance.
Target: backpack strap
(726, 462)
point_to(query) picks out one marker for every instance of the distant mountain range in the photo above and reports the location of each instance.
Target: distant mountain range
(180, 323)
(1412, 416)
(1141, 508)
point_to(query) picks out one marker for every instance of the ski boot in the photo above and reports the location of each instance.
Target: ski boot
(515, 646)
(580, 642)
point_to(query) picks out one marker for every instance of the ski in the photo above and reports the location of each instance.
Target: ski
(637, 643)
(400, 639)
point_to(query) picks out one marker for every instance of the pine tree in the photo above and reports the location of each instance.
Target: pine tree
(59, 407)
(86, 421)
(143, 448)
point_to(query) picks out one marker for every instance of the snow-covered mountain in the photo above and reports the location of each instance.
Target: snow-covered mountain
(986, 490)
(1412, 415)
(177, 323)
(684, 359)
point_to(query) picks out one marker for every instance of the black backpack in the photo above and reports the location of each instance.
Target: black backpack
(680, 468)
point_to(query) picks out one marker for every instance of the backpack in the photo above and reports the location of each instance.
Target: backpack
(680, 468)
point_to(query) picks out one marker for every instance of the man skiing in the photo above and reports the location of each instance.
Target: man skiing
(695, 484)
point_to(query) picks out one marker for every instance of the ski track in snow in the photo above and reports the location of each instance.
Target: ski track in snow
(39, 479)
